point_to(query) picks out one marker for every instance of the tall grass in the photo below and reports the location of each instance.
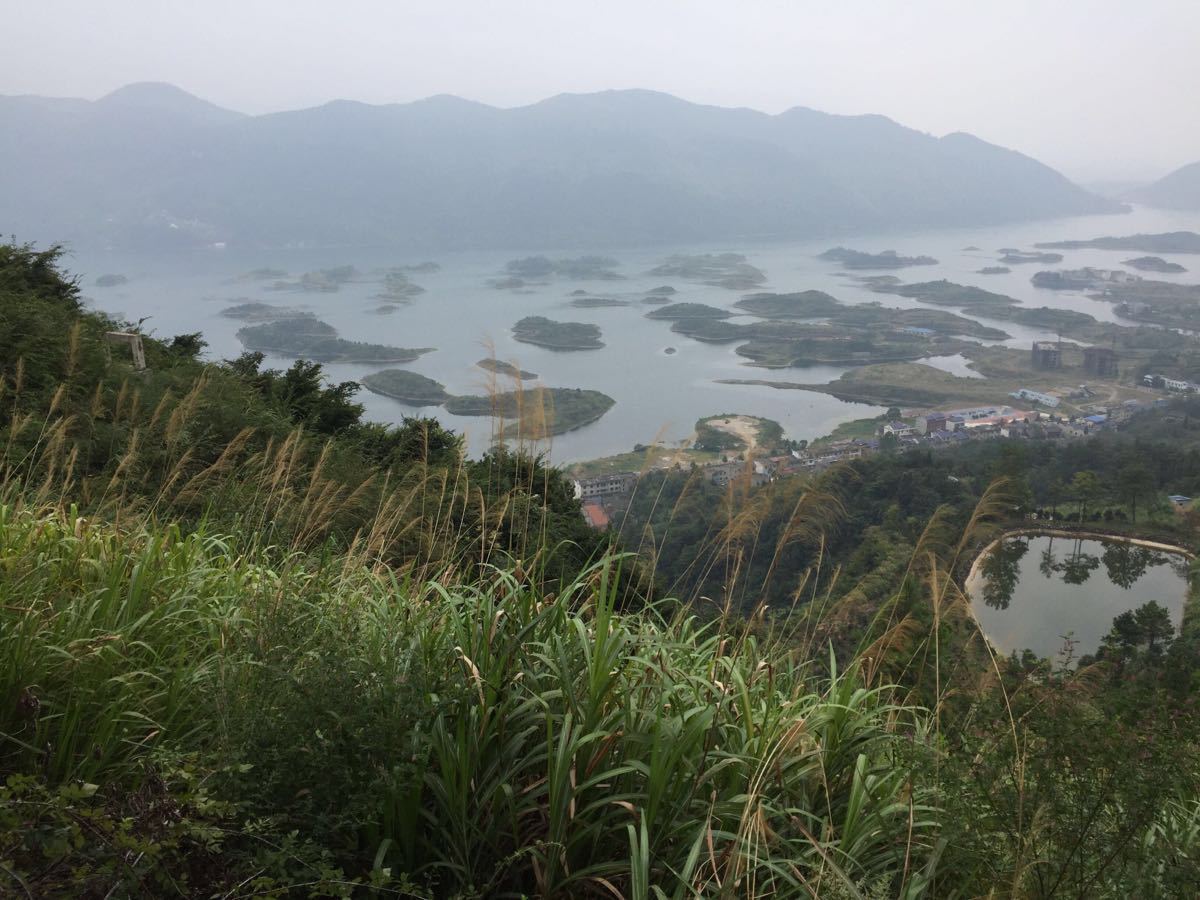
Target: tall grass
(487, 739)
(175, 452)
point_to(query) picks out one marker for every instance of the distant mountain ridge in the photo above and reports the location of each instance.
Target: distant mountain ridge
(1178, 190)
(151, 165)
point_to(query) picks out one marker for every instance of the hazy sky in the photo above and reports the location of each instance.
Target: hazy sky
(1101, 89)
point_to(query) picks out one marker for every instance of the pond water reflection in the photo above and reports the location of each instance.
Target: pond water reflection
(1032, 590)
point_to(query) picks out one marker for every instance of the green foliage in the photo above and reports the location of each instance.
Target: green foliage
(302, 394)
(480, 738)
(1072, 802)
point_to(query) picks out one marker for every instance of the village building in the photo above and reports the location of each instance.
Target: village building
(1031, 396)
(838, 451)
(724, 473)
(607, 485)
(931, 422)
(898, 429)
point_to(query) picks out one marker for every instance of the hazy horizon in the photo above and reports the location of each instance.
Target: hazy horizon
(1081, 86)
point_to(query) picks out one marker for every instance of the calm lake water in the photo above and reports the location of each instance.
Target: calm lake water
(659, 395)
(1032, 590)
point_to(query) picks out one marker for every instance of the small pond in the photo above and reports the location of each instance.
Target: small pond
(1031, 590)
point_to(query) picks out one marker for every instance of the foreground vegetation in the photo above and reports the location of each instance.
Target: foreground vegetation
(253, 646)
(480, 739)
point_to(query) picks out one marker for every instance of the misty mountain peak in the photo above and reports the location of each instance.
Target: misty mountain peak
(161, 97)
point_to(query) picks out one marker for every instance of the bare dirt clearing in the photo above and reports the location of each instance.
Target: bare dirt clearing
(744, 428)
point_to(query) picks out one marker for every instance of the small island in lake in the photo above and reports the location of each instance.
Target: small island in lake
(426, 267)
(543, 332)
(1020, 257)
(323, 281)
(1083, 279)
(816, 345)
(991, 305)
(1153, 264)
(407, 387)
(947, 293)
(111, 280)
(597, 302)
(499, 367)
(539, 411)
(263, 312)
(397, 288)
(995, 270)
(688, 311)
(663, 290)
(727, 270)
(799, 305)
(580, 268)
(916, 321)
(813, 316)
(729, 431)
(286, 335)
(508, 283)
(263, 274)
(1166, 242)
(888, 259)
(310, 338)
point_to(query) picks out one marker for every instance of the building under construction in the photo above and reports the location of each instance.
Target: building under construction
(1099, 361)
(1047, 355)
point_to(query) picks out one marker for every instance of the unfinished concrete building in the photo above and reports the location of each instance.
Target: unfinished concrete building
(1099, 361)
(1047, 355)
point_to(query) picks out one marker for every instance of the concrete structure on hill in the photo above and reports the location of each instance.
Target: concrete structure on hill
(1047, 355)
(1100, 361)
(133, 341)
